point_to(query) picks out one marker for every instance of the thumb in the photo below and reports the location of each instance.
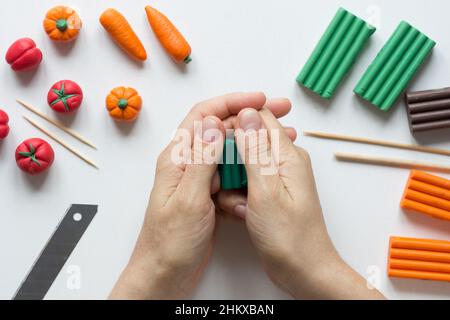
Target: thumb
(232, 202)
(207, 149)
(253, 143)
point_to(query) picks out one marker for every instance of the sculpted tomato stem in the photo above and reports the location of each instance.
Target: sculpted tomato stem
(62, 97)
(31, 155)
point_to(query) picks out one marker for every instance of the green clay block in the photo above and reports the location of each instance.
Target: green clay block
(232, 171)
(335, 53)
(394, 67)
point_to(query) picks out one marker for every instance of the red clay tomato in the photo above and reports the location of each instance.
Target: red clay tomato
(34, 156)
(65, 96)
(23, 55)
(4, 128)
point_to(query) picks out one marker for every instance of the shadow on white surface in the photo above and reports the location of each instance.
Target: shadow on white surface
(235, 268)
(37, 181)
(132, 61)
(66, 118)
(26, 77)
(182, 67)
(125, 128)
(2, 148)
(383, 115)
(423, 287)
(314, 98)
(64, 49)
(433, 136)
(428, 223)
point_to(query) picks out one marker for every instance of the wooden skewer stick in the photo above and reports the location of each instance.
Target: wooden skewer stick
(396, 163)
(61, 142)
(57, 124)
(389, 144)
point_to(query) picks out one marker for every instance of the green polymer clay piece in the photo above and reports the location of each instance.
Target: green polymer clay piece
(335, 53)
(62, 25)
(394, 67)
(31, 155)
(187, 60)
(122, 104)
(232, 172)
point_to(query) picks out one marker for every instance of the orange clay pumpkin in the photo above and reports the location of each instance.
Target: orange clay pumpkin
(124, 104)
(62, 24)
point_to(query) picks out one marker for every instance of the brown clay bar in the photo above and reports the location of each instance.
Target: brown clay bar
(428, 110)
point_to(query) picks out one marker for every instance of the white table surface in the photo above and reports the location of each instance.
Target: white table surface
(237, 46)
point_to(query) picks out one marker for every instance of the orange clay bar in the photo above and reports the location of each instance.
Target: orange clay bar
(427, 194)
(419, 259)
(123, 104)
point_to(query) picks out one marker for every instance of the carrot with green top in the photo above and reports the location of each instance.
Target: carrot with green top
(120, 30)
(169, 36)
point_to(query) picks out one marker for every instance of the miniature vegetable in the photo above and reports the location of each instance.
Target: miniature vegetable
(124, 104)
(34, 156)
(120, 30)
(23, 55)
(4, 128)
(169, 36)
(65, 96)
(62, 24)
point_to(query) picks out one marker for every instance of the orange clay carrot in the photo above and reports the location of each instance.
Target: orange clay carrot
(419, 259)
(120, 30)
(169, 36)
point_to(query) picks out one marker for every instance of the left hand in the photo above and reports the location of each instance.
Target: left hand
(176, 240)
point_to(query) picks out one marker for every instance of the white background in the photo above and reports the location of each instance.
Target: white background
(237, 46)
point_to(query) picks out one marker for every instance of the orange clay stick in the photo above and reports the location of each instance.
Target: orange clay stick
(169, 36)
(420, 244)
(429, 189)
(419, 255)
(430, 179)
(427, 200)
(420, 265)
(425, 209)
(420, 275)
(120, 30)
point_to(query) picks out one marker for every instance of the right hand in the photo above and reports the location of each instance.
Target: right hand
(283, 214)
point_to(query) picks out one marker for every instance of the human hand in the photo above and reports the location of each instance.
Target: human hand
(177, 237)
(283, 214)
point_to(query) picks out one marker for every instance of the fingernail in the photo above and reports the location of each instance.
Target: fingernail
(250, 120)
(210, 130)
(240, 210)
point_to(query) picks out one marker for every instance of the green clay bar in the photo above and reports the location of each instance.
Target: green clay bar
(335, 53)
(232, 172)
(390, 73)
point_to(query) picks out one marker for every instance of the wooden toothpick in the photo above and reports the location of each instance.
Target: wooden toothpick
(387, 162)
(384, 143)
(61, 142)
(57, 124)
